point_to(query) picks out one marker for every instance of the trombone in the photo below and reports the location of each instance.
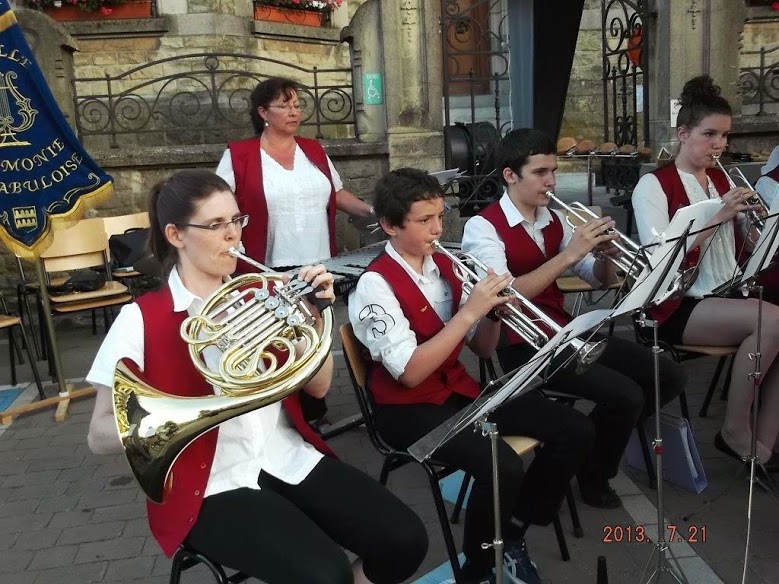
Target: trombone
(586, 353)
(632, 262)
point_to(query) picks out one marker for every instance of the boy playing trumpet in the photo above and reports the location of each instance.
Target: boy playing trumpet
(410, 311)
(521, 235)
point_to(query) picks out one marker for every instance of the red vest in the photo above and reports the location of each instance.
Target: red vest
(167, 367)
(523, 256)
(774, 174)
(250, 194)
(451, 376)
(672, 186)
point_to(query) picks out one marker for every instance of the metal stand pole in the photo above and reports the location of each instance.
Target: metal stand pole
(756, 377)
(491, 429)
(662, 549)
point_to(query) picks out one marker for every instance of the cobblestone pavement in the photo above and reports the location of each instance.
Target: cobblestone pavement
(70, 517)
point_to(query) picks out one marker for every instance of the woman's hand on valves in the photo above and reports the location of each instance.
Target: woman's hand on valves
(736, 201)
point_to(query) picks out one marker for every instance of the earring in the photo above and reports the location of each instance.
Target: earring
(266, 123)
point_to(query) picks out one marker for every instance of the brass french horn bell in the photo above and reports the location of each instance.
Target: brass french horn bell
(256, 323)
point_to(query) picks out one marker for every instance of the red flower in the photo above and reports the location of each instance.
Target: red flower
(106, 10)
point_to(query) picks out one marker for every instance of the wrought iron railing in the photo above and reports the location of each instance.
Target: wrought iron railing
(759, 84)
(476, 89)
(625, 78)
(204, 98)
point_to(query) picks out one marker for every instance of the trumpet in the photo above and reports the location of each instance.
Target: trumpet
(254, 320)
(525, 326)
(632, 262)
(754, 216)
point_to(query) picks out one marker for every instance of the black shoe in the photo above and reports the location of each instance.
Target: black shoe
(722, 446)
(603, 497)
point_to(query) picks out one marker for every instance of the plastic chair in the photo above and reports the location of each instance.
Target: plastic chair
(357, 365)
(186, 558)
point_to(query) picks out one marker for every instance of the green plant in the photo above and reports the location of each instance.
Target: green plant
(320, 5)
(104, 6)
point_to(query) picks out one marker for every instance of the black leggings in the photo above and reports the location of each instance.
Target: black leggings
(293, 534)
(622, 386)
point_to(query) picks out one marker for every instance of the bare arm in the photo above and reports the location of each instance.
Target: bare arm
(349, 203)
(103, 437)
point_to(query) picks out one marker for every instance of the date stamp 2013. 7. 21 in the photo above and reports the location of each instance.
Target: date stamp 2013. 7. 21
(638, 534)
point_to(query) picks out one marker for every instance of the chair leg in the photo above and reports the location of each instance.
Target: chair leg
(33, 365)
(94, 322)
(577, 524)
(385, 470)
(177, 567)
(726, 386)
(683, 405)
(23, 301)
(216, 569)
(443, 519)
(712, 386)
(11, 355)
(458, 506)
(560, 534)
(645, 452)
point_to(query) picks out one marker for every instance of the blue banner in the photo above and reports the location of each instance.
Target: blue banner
(45, 173)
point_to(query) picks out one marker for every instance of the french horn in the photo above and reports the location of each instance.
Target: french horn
(255, 322)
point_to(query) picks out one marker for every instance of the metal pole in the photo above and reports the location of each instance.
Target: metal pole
(491, 429)
(55, 353)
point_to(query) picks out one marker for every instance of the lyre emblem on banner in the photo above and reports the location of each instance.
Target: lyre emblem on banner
(17, 120)
(25, 217)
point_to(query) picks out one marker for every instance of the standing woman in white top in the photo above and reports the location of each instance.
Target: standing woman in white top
(703, 125)
(250, 494)
(286, 183)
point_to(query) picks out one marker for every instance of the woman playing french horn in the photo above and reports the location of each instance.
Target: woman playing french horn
(250, 494)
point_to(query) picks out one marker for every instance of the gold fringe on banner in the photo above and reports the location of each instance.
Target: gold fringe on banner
(63, 221)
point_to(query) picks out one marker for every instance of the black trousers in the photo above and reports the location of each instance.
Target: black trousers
(533, 496)
(293, 534)
(622, 386)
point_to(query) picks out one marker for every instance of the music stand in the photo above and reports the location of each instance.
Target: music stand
(650, 290)
(527, 377)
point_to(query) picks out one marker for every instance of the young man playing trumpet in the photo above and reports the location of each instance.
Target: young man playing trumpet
(410, 311)
(521, 235)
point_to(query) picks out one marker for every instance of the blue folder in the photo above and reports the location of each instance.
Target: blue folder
(681, 463)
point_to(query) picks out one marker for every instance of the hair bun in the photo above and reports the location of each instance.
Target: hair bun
(699, 89)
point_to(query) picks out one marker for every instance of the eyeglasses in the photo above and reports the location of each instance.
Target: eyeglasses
(288, 107)
(240, 222)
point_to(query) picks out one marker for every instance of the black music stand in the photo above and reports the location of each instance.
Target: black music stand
(527, 377)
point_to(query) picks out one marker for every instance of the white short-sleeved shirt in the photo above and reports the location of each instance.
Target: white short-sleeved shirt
(260, 440)
(378, 320)
(481, 240)
(297, 207)
(650, 205)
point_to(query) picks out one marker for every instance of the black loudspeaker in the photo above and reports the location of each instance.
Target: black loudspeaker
(471, 147)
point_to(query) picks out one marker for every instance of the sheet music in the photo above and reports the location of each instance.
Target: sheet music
(527, 377)
(766, 245)
(694, 217)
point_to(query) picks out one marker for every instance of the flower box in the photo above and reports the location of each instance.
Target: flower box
(140, 9)
(288, 15)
